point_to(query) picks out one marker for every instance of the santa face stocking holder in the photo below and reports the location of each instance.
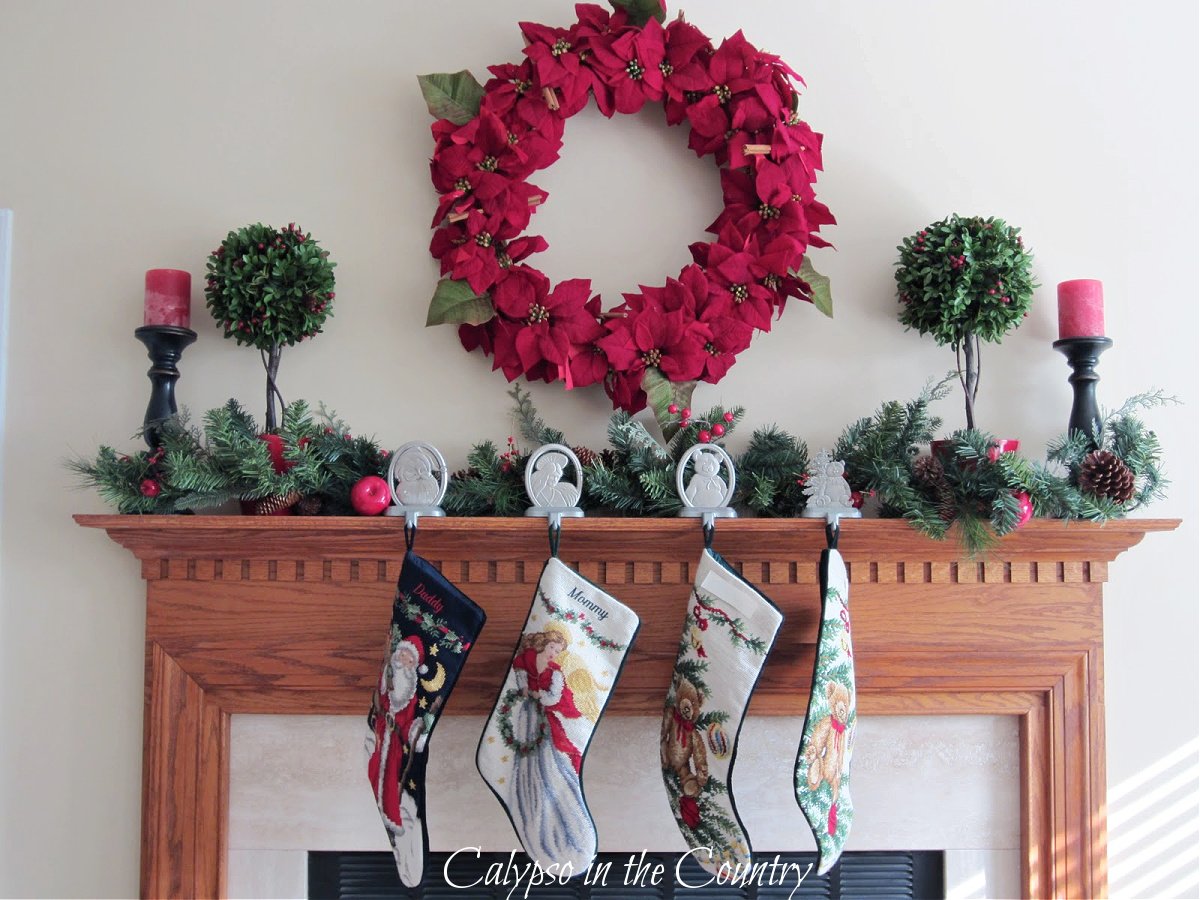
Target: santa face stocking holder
(728, 630)
(566, 662)
(432, 630)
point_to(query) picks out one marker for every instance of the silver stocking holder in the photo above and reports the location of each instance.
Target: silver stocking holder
(417, 479)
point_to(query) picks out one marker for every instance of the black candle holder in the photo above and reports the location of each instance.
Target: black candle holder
(165, 344)
(1083, 355)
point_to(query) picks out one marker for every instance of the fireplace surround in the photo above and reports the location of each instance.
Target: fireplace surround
(285, 615)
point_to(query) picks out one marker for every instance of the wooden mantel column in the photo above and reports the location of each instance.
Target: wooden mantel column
(288, 615)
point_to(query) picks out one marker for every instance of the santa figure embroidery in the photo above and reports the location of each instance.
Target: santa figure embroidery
(396, 733)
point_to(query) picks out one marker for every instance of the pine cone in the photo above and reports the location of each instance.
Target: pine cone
(930, 474)
(1104, 474)
(308, 506)
(609, 458)
(273, 506)
(587, 456)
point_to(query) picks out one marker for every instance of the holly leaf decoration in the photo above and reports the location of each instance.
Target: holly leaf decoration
(661, 393)
(454, 303)
(453, 96)
(641, 11)
(818, 287)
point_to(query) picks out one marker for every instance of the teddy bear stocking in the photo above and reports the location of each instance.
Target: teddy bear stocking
(531, 752)
(822, 777)
(727, 632)
(433, 627)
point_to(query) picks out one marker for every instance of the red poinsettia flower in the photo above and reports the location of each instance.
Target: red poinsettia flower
(730, 69)
(685, 68)
(588, 364)
(625, 390)
(655, 338)
(481, 248)
(689, 811)
(746, 209)
(736, 290)
(553, 323)
(480, 159)
(558, 56)
(726, 337)
(687, 294)
(630, 64)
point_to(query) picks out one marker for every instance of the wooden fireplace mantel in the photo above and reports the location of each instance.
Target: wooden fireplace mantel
(288, 615)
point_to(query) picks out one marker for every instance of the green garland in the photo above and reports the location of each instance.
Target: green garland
(581, 619)
(972, 491)
(436, 628)
(230, 460)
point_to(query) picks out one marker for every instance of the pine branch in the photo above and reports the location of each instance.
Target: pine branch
(530, 425)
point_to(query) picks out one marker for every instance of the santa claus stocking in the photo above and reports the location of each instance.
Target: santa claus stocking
(531, 752)
(727, 633)
(433, 627)
(823, 762)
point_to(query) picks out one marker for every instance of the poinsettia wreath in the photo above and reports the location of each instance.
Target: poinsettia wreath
(741, 105)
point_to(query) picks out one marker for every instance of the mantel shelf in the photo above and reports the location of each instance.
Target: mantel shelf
(288, 615)
(496, 539)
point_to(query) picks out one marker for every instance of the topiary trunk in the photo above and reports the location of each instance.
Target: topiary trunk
(271, 364)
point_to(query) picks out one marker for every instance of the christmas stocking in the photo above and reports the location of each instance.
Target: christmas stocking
(433, 627)
(823, 762)
(531, 752)
(729, 629)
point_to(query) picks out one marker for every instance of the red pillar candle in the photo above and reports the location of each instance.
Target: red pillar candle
(1080, 308)
(168, 298)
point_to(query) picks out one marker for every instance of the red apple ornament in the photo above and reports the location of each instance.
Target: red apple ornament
(370, 496)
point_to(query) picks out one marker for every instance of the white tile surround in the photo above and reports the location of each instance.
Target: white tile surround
(298, 783)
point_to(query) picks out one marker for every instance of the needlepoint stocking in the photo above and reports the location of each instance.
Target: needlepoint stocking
(433, 627)
(727, 633)
(823, 763)
(531, 753)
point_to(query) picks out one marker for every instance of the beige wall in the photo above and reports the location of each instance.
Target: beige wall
(135, 134)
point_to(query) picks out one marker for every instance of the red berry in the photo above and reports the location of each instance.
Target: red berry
(673, 408)
(151, 488)
(704, 437)
(718, 430)
(728, 417)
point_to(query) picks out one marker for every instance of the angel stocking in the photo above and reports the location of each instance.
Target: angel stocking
(531, 752)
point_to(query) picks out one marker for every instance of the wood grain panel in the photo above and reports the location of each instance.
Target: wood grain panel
(287, 616)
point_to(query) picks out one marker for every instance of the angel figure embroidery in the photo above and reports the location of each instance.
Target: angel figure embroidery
(556, 693)
(547, 486)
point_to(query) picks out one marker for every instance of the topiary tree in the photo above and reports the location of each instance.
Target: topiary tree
(270, 288)
(964, 280)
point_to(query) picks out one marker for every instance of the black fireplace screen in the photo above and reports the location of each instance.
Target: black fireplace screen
(625, 876)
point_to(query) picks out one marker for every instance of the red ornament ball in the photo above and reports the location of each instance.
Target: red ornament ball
(370, 496)
(704, 437)
(728, 417)
(718, 430)
(151, 488)
(1026, 507)
(673, 408)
